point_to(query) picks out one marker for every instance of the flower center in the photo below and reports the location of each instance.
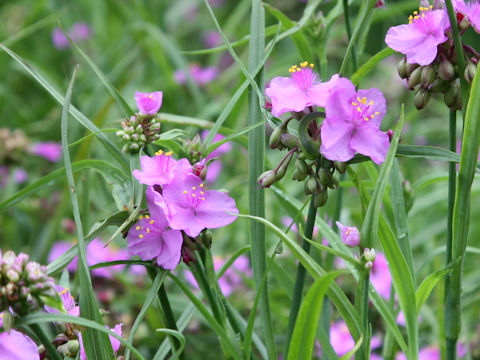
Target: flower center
(361, 110)
(195, 195)
(303, 75)
(419, 14)
(146, 230)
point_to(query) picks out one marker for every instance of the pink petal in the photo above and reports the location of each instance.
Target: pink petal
(379, 105)
(154, 200)
(318, 94)
(16, 346)
(339, 101)
(146, 245)
(285, 96)
(149, 103)
(171, 249)
(336, 135)
(404, 37)
(212, 212)
(369, 141)
(116, 343)
(185, 219)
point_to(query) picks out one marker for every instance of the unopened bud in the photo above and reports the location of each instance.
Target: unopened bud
(368, 265)
(411, 68)
(267, 178)
(73, 346)
(470, 71)
(402, 68)
(415, 77)
(439, 85)
(422, 97)
(301, 170)
(369, 254)
(446, 70)
(207, 239)
(311, 186)
(324, 176)
(7, 319)
(288, 140)
(428, 75)
(340, 166)
(274, 140)
(451, 95)
(321, 198)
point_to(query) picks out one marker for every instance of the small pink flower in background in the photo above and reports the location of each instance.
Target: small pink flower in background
(380, 276)
(470, 9)
(200, 76)
(60, 41)
(115, 343)
(160, 169)
(52, 151)
(19, 175)
(192, 208)
(15, 345)
(419, 39)
(303, 88)
(215, 167)
(149, 103)
(349, 234)
(212, 39)
(150, 237)
(352, 123)
(67, 300)
(431, 352)
(380, 4)
(340, 338)
(80, 31)
(231, 280)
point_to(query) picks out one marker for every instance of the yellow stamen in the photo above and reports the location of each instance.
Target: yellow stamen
(201, 185)
(140, 217)
(193, 195)
(64, 291)
(354, 103)
(185, 191)
(370, 103)
(377, 113)
(358, 109)
(137, 227)
(202, 192)
(148, 231)
(159, 152)
(140, 236)
(194, 188)
(169, 153)
(147, 217)
(152, 221)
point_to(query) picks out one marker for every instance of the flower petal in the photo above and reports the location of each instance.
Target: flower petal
(318, 94)
(16, 346)
(378, 108)
(370, 141)
(336, 135)
(149, 103)
(339, 101)
(285, 96)
(212, 212)
(146, 244)
(171, 249)
(402, 38)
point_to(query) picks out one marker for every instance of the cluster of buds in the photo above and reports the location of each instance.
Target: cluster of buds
(13, 145)
(24, 285)
(138, 130)
(369, 255)
(193, 149)
(315, 170)
(190, 245)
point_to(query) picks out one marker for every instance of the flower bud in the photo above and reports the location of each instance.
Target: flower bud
(340, 166)
(311, 186)
(206, 238)
(428, 75)
(368, 265)
(333, 184)
(324, 176)
(402, 68)
(321, 198)
(369, 254)
(289, 140)
(73, 346)
(439, 86)
(411, 68)
(451, 95)
(7, 319)
(274, 140)
(470, 71)
(446, 70)
(267, 178)
(415, 77)
(281, 171)
(349, 234)
(301, 170)
(422, 97)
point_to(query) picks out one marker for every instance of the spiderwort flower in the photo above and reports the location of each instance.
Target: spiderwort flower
(200, 76)
(303, 88)
(16, 346)
(52, 151)
(352, 123)
(67, 300)
(380, 276)
(160, 169)
(471, 10)
(191, 208)
(151, 239)
(419, 39)
(149, 103)
(350, 235)
(59, 40)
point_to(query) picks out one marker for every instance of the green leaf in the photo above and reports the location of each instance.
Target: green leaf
(179, 336)
(303, 338)
(352, 352)
(365, 69)
(427, 285)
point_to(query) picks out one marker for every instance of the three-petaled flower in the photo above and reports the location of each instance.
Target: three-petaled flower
(419, 39)
(352, 123)
(149, 103)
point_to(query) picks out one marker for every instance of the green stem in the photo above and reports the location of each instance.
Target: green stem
(300, 279)
(349, 32)
(51, 350)
(361, 304)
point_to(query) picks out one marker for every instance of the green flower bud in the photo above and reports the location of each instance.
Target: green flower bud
(324, 176)
(333, 184)
(446, 70)
(369, 254)
(451, 95)
(402, 68)
(415, 77)
(439, 85)
(470, 71)
(321, 198)
(422, 97)
(73, 346)
(301, 170)
(207, 239)
(428, 75)
(340, 166)
(7, 320)
(289, 140)
(267, 179)
(411, 68)
(274, 140)
(311, 186)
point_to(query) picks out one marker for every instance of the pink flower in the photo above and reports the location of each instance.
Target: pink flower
(115, 343)
(380, 276)
(352, 123)
(149, 103)
(191, 208)
(471, 10)
(52, 151)
(150, 237)
(16, 346)
(60, 41)
(340, 338)
(303, 88)
(349, 234)
(80, 31)
(200, 76)
(419, 39)
(67, 300)
(160, 169)
(212, 39)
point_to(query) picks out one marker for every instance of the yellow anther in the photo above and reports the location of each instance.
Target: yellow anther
(423, 15)
(354, 103)
(193, 195)
(150, 96)
(415, 12)
(304, 64)
(298, 69)
(169, 153)
(202, 198)
(360, 100)
(364, 100)
(312, 65)
(140, 217)
(140, 236)
(291, 70)
(64, 291)
(185, 191)
(377, 113)
(431, 7)
(202, 185)
(372, 116)
(370, 103)
(159, 152)
(137, 227)
(147, 217)
(148, 231)
(366, 118)
(358, 109)
(202, 192)
(194, 188)
(348, 231)
(152, 221)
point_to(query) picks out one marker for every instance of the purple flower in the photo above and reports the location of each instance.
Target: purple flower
(419, 39)
(150, 237)
(200, 76)
(160, 169)
(80, 31)
(349, 234)
(52, 151)
(149, 103)
(303, 88)
(212, 39)
(380, 276)
(191, 208)
(352, 123)
(471, 10)
(16, 346)
(115, 343)
(67, 300)
(60, 41)
(340, 338)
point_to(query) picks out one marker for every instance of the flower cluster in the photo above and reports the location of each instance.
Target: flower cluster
(80, 31)
(180, 207)
(24, 285)
(143, 127)
(430, 62)
(351, 124)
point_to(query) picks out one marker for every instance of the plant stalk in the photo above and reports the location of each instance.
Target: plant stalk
(51, 350)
